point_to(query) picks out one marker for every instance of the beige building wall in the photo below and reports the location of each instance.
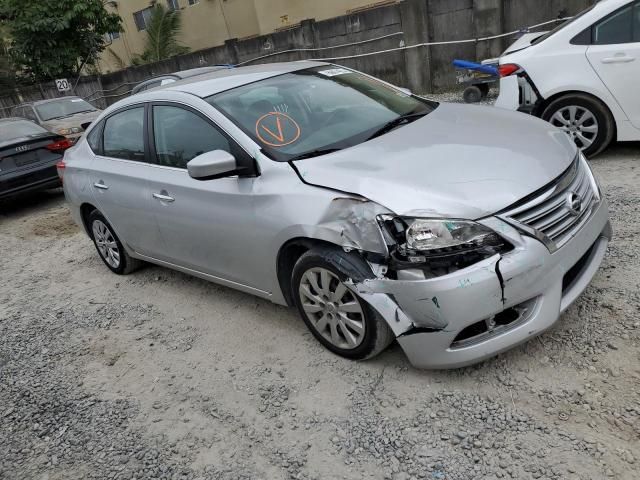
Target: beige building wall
(208, 23)
(276, 14)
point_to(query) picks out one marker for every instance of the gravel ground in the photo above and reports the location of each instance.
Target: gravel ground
(160, 375)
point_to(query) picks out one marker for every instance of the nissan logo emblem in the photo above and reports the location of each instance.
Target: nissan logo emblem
(574, 203)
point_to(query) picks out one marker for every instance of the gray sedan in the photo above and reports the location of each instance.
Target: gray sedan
(459, 231)
(67, 116)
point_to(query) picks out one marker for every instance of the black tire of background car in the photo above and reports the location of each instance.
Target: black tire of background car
(378, 335)
(606, 124)
(472, 94)
(127, 264)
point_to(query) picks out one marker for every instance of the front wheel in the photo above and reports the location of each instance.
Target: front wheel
(584, 119)
(336, 316)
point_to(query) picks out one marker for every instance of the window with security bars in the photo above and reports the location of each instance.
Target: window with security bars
(142, 18)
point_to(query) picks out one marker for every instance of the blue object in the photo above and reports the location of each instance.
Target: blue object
(478, 67)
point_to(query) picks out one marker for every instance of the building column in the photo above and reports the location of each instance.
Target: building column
(488, 20)
(414, 17)
(231, 51)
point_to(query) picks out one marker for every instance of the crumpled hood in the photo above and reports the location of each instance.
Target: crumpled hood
(459, 161)
(69, 122)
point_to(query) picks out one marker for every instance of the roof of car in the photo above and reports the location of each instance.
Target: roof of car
(227, 78)
(200, 71)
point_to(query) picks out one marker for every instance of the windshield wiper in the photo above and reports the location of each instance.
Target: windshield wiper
(314, 153)
(396, 122)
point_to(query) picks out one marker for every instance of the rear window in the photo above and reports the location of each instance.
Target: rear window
(19, 128)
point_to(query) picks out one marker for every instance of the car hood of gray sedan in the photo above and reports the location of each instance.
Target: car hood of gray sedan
(459, 161)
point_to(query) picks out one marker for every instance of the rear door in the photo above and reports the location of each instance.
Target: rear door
(118, 178)
(614, 54)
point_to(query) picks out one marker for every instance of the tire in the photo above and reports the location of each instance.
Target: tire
(472, 94)
(585, 119)
(353, 319)
(109, 247)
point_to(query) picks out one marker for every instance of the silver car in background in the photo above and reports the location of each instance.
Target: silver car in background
(459, 231)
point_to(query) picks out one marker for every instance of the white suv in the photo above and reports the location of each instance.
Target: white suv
(582, 77)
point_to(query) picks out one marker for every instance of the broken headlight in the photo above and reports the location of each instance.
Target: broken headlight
(440, 243)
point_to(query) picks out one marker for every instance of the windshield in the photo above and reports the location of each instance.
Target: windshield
(63, 108)
(561, 26)
(317, 110)
(19, 128)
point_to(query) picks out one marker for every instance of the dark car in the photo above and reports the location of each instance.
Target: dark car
(174, 77)
(28, 156)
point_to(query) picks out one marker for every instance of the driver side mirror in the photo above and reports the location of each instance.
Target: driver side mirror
(212, 165)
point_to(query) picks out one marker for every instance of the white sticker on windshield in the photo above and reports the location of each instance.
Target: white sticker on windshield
(332, 72)
(76, 100)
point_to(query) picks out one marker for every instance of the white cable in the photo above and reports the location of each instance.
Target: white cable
(418, 45)
(111, 89)
(319, 48)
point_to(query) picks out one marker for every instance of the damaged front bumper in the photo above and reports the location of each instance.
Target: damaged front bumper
(480, 311)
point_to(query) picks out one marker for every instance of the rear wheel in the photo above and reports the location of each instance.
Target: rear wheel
(336, 316)
(584, 119)
(109, 246)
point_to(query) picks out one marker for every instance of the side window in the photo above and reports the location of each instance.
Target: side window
(615, 29)
(181, 135)
(94, 139)
(636, 22)
(124, 135)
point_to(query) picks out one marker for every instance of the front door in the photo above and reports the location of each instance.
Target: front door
(206, 225)
(615, 56)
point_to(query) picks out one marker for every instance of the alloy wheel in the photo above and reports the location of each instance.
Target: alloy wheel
(333, 310)
(577, 122)
(106, 243)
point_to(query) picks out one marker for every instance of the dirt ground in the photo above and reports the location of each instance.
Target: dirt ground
(161, 375)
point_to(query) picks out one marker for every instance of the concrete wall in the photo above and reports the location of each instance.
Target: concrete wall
(409, 22)
(209, 23)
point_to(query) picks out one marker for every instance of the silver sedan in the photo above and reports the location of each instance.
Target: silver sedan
(459, 231)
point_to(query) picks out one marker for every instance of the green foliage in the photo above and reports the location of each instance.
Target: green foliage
(7, 75)
(162, 32)
(51, 39)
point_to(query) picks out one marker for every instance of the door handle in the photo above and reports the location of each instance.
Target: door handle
(164, 198)
(101, 186)
(618, 59)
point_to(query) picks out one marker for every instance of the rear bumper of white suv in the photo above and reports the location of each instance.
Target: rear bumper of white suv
(517, 93)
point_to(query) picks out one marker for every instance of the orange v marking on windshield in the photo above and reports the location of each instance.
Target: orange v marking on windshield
(277, 129)
(280, 135)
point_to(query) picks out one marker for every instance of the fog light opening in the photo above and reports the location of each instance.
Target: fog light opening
(476, 332)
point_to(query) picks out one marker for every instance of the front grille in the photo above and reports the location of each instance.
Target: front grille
(558, 213)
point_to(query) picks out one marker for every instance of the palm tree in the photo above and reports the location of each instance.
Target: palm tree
(162, 30)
